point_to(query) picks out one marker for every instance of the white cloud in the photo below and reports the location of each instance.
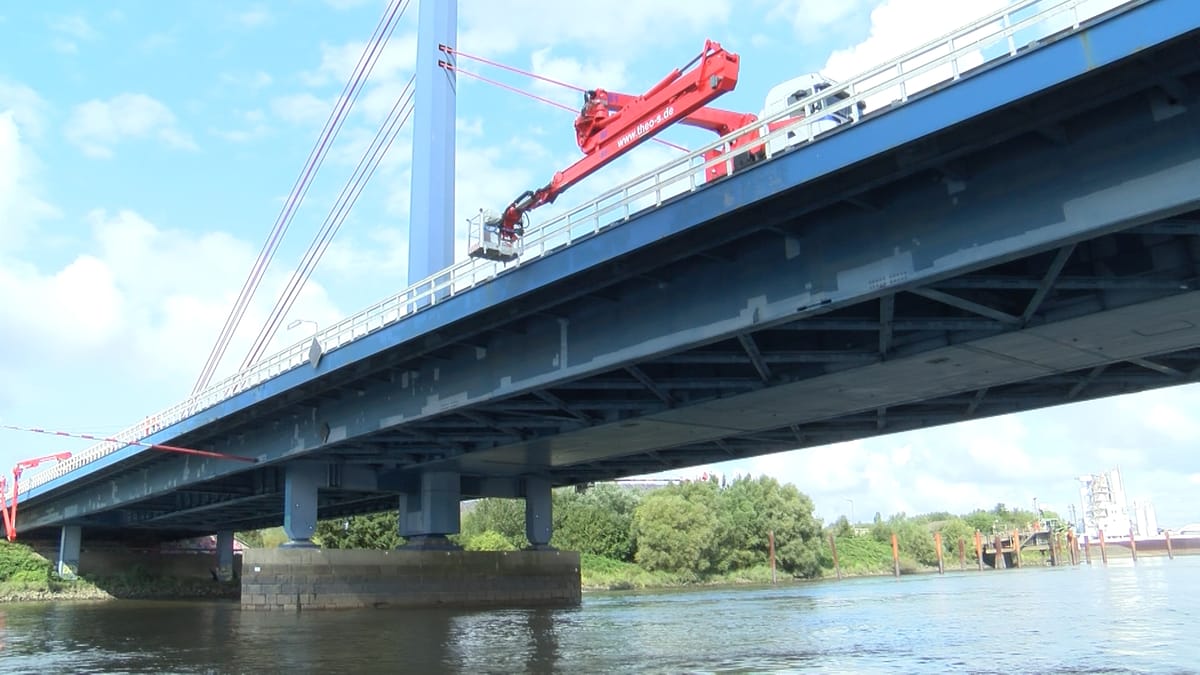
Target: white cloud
(606, 74)
(159, 41)
(491, 28)
(136, 310)
(253, 126)
(301, 108)
(28, 109)
(253, 17)
(339, 62)
(97, 313)
(818, 20)
(68, 31)
(254, 80)
(898, 26)
(1168, 419)
(63, 46)
(98, 125)
(75, 26)
(20, 207)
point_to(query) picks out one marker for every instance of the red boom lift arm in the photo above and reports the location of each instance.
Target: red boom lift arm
(611, 124)
(10, 512)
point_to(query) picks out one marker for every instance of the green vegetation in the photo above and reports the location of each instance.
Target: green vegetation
(375, 530)
(862, 556)
(26, 575)
(698, 532)
(489, 541)
(680, 534)
(871, 552)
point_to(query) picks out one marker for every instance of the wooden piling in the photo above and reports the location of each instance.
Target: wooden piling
(1132, 545)
(1087, 549)
(1072, 548)
(771, 551)
(1170, 553)
(837, 568)
(1016, 544)
(962, 554)
(999, 544)
(979, 549)
(937, 542)
(895, 555)
(1103, 553)
(1054, 549)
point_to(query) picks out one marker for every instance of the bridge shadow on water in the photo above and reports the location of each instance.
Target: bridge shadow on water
(216, 636)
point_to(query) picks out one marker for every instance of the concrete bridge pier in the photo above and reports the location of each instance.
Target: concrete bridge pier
(300, 484)
(225, 555)
(428, 571)
(539, 513)
(69, 545)
(428, 515)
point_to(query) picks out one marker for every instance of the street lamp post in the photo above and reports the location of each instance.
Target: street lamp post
(851, 510)
(298, 322)
(314, 349)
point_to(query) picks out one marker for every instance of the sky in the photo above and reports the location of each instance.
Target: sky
(147, 149)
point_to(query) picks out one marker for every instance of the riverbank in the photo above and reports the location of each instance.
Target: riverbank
(26, 576)
(112, 588)
(598, 573)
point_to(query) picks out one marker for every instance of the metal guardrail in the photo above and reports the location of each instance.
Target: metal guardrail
(941, 61)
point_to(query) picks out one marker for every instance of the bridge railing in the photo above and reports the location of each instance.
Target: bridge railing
(944, 60)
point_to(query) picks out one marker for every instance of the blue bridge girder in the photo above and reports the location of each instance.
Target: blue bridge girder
(1026, 237)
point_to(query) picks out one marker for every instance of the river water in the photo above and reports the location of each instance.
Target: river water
(1120, 618)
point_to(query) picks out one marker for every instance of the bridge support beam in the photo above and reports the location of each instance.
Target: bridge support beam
(69, 545)
(225, 555)
(300, 485)
(426, 517)
(539, 513)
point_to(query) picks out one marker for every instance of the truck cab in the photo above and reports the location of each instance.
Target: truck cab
(822, 115)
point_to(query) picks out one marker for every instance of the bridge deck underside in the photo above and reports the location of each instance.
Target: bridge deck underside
(1045, 253)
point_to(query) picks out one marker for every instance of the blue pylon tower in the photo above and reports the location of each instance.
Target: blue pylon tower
(431, 212)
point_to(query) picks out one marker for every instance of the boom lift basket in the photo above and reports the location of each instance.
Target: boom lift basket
(488, 242)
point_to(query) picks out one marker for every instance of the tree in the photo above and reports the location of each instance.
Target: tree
(913, 538)
(503, 516)
(956, 529)
(379, 531)
(675, 534)
(598, 521)
(489, 541)
(749, 509)
(251, 538)
(841, 528)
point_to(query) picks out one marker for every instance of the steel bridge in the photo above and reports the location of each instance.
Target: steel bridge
(1017, 225)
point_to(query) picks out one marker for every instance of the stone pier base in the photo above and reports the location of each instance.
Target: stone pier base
(299, 579)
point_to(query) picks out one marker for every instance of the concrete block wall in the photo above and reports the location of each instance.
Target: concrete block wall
(299, 579)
